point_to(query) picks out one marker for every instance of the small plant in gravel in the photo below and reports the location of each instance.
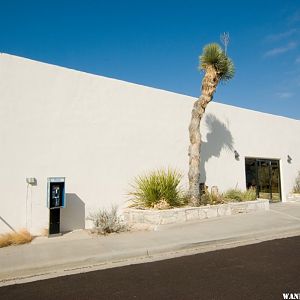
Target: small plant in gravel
(210, 198)
(234, 194)
(239, 196)
(159, 189)
(15, 238)
(107, 221)
(296, 188)
(250, 194)
(213, 198)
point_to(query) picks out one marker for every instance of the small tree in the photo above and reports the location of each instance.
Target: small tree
(217, 66)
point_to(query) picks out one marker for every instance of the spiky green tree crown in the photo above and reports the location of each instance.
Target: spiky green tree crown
(214, 55)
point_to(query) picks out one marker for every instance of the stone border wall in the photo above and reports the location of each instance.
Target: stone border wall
(181, 215)
(293, 197)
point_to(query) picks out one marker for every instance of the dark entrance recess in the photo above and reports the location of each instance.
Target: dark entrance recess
(54, 222)
(264, 175)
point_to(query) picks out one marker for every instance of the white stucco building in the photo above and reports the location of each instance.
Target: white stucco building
(99, 133)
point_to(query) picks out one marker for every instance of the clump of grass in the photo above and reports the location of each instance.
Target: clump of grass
(15, 238)
(107, 221)
(296, 188)
(229, 196)
(157, 188)
(234, 194)
(250, 194)
(209, 198)
(239, 196)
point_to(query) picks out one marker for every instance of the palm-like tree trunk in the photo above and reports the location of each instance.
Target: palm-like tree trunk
(209, 85)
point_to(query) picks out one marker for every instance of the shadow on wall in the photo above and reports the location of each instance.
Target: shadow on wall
(10, 227)
(217, 138)
(73, 215)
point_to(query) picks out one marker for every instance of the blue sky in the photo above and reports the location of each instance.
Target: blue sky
(157, 43)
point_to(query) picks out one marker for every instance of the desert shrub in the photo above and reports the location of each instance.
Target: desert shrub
(211, 198)
(107, 221)
(250, 194)
(15, 238)
(239, 196)
(296, 188)
(234, 194)
(158, 189)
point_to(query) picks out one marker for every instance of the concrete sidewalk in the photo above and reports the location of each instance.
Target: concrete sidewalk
(80, 252)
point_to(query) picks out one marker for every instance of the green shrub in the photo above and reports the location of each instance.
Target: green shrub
(106, 221)
(239, 196)
(296, 188)
(234, 194)
(250, 194)
(211, 198)
(158, 187)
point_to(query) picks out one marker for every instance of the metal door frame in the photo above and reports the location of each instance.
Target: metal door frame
(268, 160)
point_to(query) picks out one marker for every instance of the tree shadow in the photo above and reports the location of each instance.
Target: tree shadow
(218, 138)
(73, 215)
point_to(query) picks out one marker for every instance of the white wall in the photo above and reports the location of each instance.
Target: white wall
(99, 133)
(253, 134)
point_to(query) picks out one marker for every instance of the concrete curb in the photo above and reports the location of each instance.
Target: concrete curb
(142, 255)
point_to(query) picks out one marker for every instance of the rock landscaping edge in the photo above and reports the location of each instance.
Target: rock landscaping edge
(293, 197)
(184, 214)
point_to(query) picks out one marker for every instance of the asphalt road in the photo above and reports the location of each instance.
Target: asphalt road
(260, 271)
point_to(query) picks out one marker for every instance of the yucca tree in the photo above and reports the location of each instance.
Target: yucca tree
(217, 66)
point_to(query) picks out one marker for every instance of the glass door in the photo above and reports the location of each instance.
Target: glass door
(263, 173)
(264, 176)
(275, 181)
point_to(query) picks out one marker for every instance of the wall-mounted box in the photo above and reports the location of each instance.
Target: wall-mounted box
(31, 180)
(56, 195)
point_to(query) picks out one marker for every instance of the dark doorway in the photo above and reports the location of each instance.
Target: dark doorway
(264, 175)
(54, 224)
